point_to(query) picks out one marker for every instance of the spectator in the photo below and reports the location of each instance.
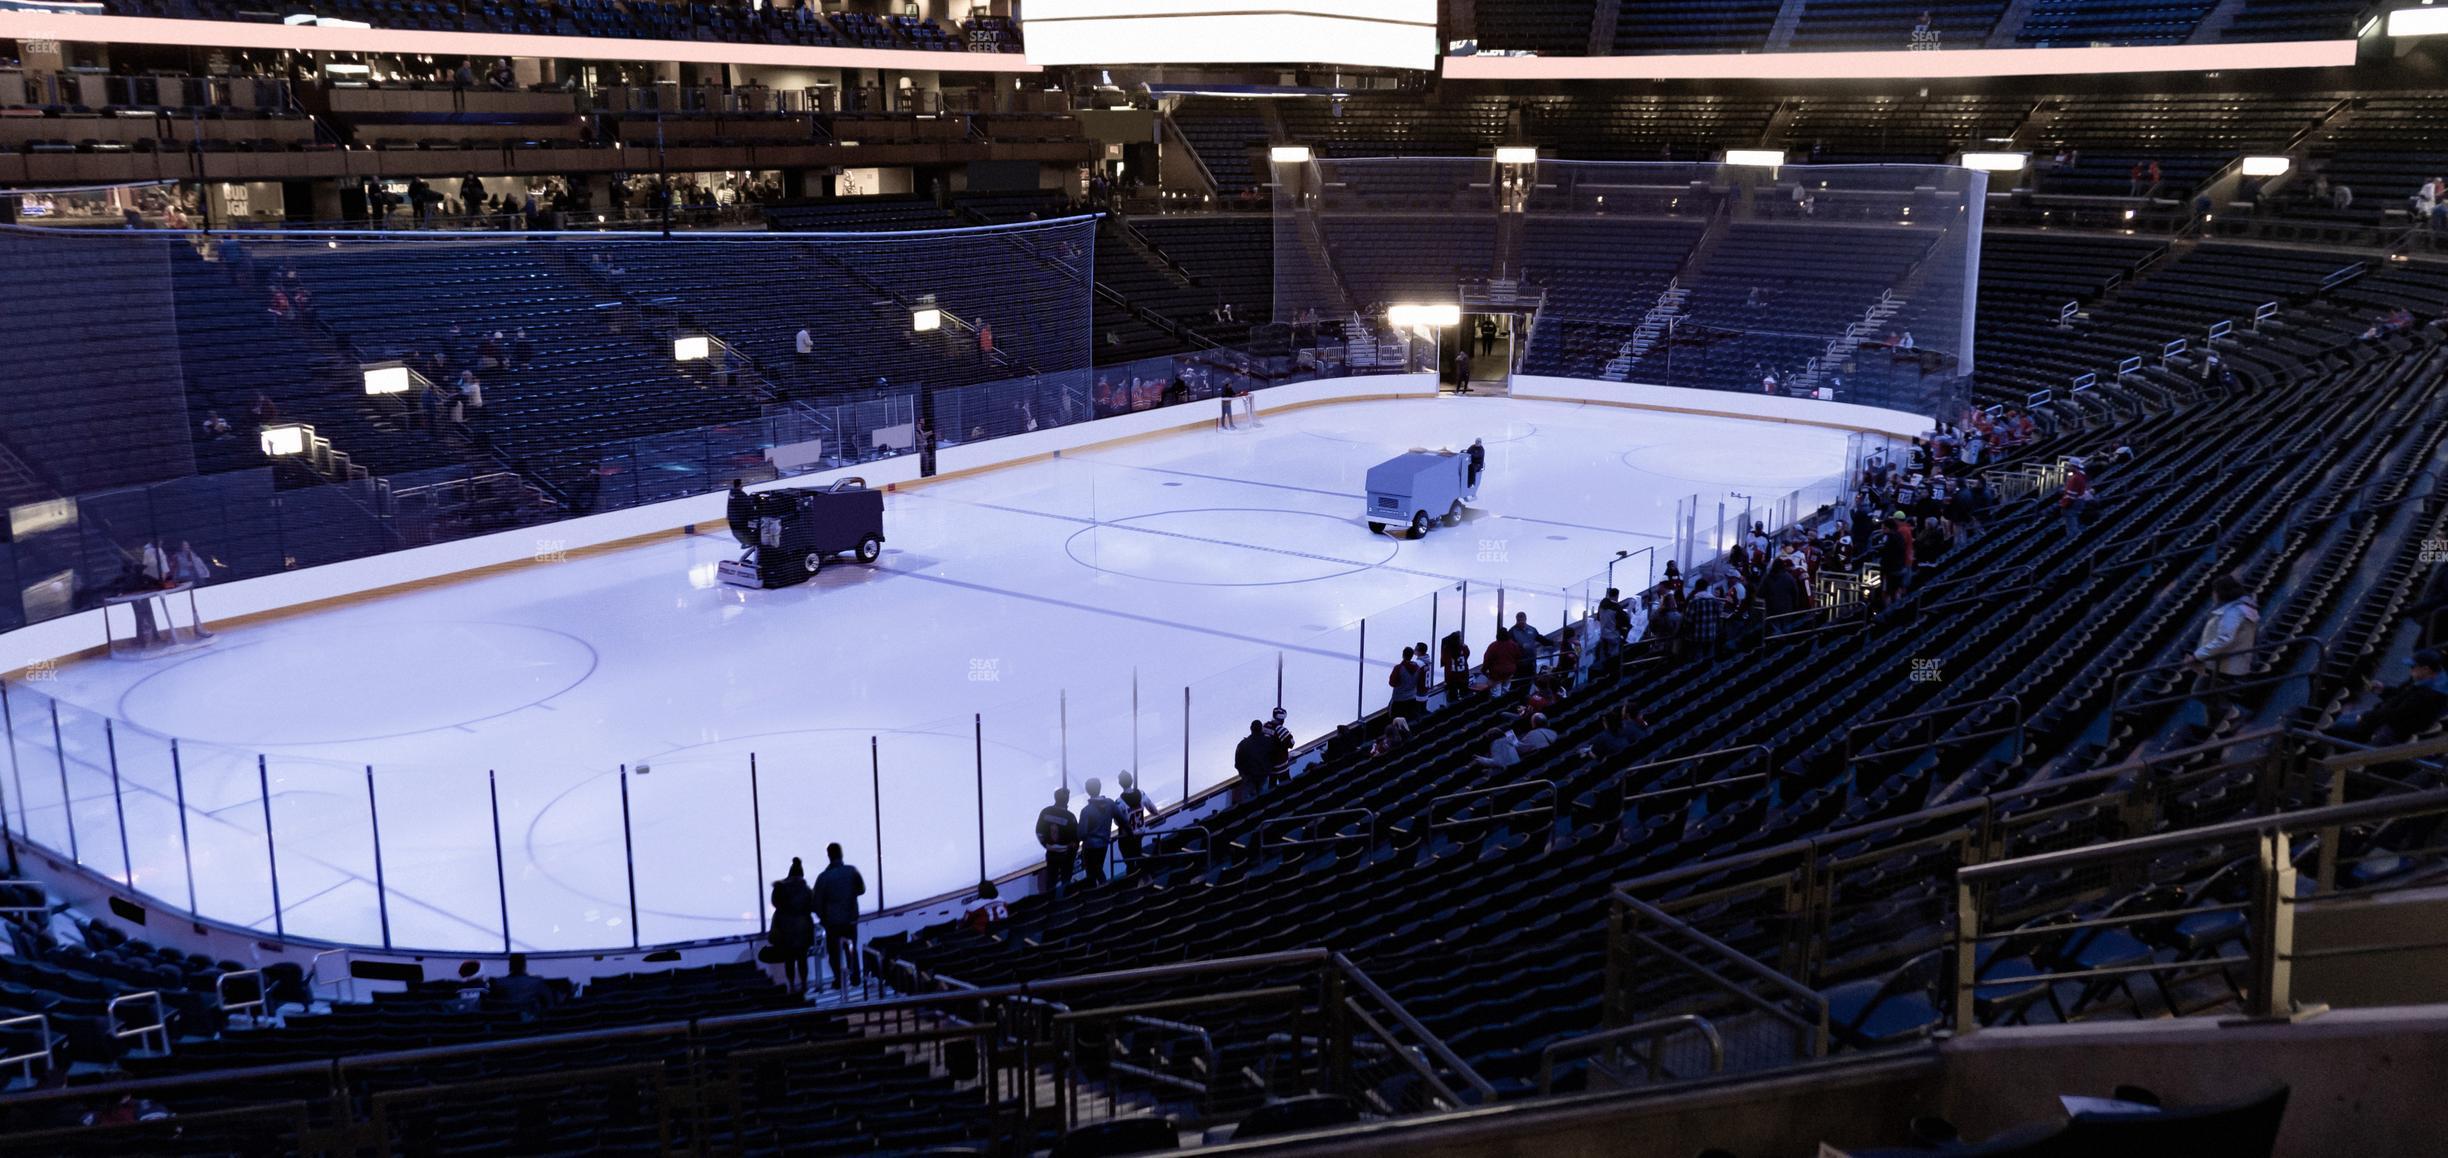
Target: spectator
(1097, 819)
(1395, 738)
(1500, 664)
(1406, 681)
(1504, 746)
(1896, 556)
(1534, 734)
(1058, 835)
(1704, 623)
(1454, 660)
(471, 196)
(988, 910)
(189, 567)
(2075, 501)
(468, 396)
(2224, 652)
(804, 343)
(1280, 734)
(1254, 760)
(1526, 637)
(1611, 622)
(522, 348)
(1136, 811)
(793, 934)
(838, 889)
(2405, 712)
(518, 991)
(216, 427)
(1619, 731)
(1784, 590)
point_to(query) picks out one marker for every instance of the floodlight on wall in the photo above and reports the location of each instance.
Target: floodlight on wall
(1756, 158)
(2424, 21)
(1996, 162)
(2267, 166)
(287, 438)
(1517, 155)
(926, 319)
(696, 348)
(1289, 154)
(387, 378)
(1424, 316)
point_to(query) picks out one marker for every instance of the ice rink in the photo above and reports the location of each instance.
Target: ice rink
(1023, 597)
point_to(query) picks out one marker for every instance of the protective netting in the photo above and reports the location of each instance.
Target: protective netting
(533, 376)
(1849, 283)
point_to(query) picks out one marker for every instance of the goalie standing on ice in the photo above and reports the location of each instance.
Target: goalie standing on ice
(1421, 487)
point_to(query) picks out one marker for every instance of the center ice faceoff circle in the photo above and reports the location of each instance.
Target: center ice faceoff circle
(1228, 547)
(331, 683)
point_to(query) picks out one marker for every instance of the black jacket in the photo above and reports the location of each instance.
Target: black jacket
(1254, 757)
(794, 925)
(2404, 712)
(838, 889)
(1057, 828)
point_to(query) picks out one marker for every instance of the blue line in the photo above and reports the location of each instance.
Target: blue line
(1153, 620)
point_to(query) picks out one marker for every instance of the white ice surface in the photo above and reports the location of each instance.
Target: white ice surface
(1027, 597)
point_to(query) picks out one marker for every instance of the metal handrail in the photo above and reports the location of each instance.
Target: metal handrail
(42, 1024)
(1435, 804)
(1204, 852)
(1625, 777)
(262, 1002)
(2269, 914)
(1695, 786)
(2010, 701)
(27, 910)
(1653, 1029)
(2276, 647)
(1427, 1040)
(314, 974)
(2327, 816)
(1258, 836)
(160, 1023)
(1742, 961)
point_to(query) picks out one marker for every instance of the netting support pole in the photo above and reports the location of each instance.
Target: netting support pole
(501, 877)
(1360, 677)
(977, 731)
(756, 829)
(110, 747)
(178, 786)
(263, 785)
(382, 889)
(875, 795)
(629, 855)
